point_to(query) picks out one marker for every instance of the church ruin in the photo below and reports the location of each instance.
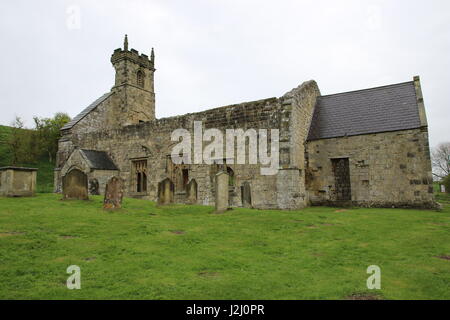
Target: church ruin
(366, 148)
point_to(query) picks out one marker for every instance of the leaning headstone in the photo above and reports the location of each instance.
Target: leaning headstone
(192, 192)
(221, 192)
(166, 190)
(113, 194)
(75, 185)
(94, 187)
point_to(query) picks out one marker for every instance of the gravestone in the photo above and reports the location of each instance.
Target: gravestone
(113, 194)
(94, 187)
(221, 192)
(166, 190)
(246, 195)
(442, 188)
(192, 191)
(75, 185)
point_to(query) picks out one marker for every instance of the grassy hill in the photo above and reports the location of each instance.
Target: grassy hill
(45, 172)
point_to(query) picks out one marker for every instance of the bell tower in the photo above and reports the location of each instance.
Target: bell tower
(133, 90)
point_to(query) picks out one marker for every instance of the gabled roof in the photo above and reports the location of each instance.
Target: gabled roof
(86, 111)
(381, 109)
(99, 160)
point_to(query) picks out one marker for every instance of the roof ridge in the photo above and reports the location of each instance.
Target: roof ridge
(367, 89)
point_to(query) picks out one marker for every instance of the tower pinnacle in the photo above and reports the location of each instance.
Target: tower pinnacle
(125, 43)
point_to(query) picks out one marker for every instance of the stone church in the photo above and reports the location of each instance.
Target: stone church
(365, 148)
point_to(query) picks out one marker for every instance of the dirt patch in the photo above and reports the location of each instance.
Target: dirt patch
(327, 224)
(208, 274)
(9, 234)
(90, 259)
(297, 221)
(317, 254)
(312, 227)
(341, 210)
(67, 236)
(444, 257)
(363, 296)
(178, 232)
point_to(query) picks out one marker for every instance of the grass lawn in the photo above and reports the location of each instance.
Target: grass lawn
(184, 252)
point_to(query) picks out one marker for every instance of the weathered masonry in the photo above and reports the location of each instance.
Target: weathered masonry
(17, 181)
(367, 147)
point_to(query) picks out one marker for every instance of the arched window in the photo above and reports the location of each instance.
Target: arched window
(140, 78)
(140, 171)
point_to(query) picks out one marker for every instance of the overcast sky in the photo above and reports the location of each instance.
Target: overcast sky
(210, 53)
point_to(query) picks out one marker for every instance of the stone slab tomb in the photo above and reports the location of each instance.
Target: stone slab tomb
(113, 194)
(75, 185)
(17, 181)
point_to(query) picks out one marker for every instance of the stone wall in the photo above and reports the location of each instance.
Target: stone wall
(150, 141)
(299, 106)
(386, 169)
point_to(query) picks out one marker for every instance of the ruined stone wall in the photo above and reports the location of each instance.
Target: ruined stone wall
(386, 169)
(150, 141)
(298, 106)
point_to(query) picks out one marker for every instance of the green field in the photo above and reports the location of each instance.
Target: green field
(184, 252)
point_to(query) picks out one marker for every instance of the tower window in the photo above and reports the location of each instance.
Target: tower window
(140, 78)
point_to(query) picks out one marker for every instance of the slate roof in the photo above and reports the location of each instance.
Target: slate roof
(98, 160)
(86, 111)
(381, 109)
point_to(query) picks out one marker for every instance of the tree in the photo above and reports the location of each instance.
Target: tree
(446, 183)
(22, 144)
(440, 160)
(19, 142)
(14, 140)
(48, 133)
